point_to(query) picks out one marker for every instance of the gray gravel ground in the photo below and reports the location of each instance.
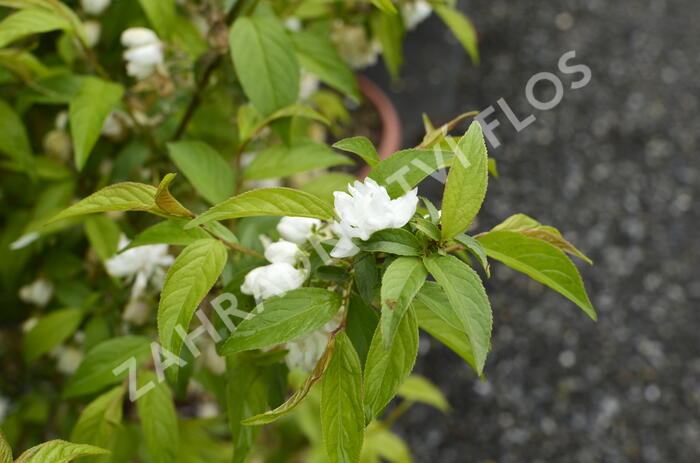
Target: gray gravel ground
(615, 167)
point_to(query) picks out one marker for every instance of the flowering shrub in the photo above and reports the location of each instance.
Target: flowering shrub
(296, 274)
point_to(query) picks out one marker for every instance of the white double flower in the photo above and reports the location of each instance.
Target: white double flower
(368, 209)
(144, 51)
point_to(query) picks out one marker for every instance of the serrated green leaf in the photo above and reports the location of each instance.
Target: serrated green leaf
(103, 235)
(158, 419)
(362, 147)
(428, 228)
(100, 419)
(189, 279)
(50, 331)
(342, 414)
(87, 113)
(166, 202)
(417, 388)
(323, 186)
(58, 451)
(386, 369)
(466, 183)
(471, 310)
(540, 260)
(265, 62)
(168, 232)
(401, 281)
(393, 241)
(403, 170)
(125, 196)
(208, 172)
(30, 21)
(267, 201)
(462, 28)
(283, 318)
(476, 249)
(5, 450)
(95, 371)
(283, 161)
(14, 141)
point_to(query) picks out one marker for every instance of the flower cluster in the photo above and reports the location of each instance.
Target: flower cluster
(354, 46)
(144, 51)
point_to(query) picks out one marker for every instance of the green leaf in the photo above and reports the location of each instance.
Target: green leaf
(403, 170)
(103, 235)
(125, 196)
(206, 169)
(462, 28)
(165, 200)
(5, 450)
(342, 414)
(58, 451)
(283, 161)
(466, 183)
(300, 394)
(50, 331)
(100, 419)
(381, 444)
(476, 249)
(283, 318)
(428, 228)
(385, 5)
(162, 16)
(360, 324)
(393, 241)
(30, 21)
(417, 388)
(267, 201)
(188, 280)
(468, 301)
(168, 232)
(246, 394)
(265, 62)
(386, 369)
(362, 147)
(95, 371)
(541, 261)
(400, 283)
(323, 186)
(388, 28)
(366, 276)
(13, 136)
(317, 55)
(158, 419)
(87, 113)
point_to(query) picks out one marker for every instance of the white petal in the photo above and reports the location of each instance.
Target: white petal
(138, 36)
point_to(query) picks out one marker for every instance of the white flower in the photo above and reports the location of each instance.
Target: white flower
(308, 85)
(272, 280)
(367, 209)
(93, 31)
(4, 408)
(415, 12)
(115, 125)
(68, 359)
(297, 229)
(293, 24)
(283, 252)
(304, 353)
(95, 7)
(142, 264)
(358, 50)
(144, 51)
(38, 293)
(136, 312)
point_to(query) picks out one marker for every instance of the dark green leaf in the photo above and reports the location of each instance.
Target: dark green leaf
(360, 325)
(13, 136)
(158, 419)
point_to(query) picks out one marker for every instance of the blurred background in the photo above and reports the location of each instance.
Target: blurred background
(615, 167)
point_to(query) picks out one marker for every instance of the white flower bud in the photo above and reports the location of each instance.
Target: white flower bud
(145, 55)
(95, 7)
(308, 85)
(93, 31)
(4, 408)
(38, 293)
(297, 229)
(272, 280)
(68, 359)
(415, 12)
(367, 209)
(138, 36)
(144, 51)
(24, 241)
(57, 144)
(282, 252)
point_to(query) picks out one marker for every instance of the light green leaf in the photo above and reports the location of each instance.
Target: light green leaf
(476, 249)
(100, 419)
(125, 196)
(95, 371)
(381, 443)
(466, 183)
(103, 235)
(393, 241)
(386, 369)
(30, 21)
(50, 331)
(428, 228)
(462, 28)
(162, 16)
(468, 301)
(87, 113)
(267, 201)
(158, 419)
(400, 283)
(342, 414)
(283, 318)
(58, 451)
(283, 161)
(13, 136)
(265, 62)
(168, 232)
(540, 260)
(317, 55)
(362, 147)
(323, 186)
(206, 169)
(403, 170)
(5, 450)
(188, 280)
(388, 28)
(417, 388)
(385, 5)
(165, 200)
